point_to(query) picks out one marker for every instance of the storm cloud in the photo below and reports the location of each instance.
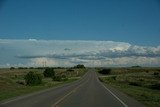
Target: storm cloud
(34, 52)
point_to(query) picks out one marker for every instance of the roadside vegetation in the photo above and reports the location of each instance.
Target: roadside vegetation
(33, 78)
(105, 71)
(143, 84)
(19, 81)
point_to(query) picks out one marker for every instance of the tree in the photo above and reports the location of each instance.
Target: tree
(12, 68)
(49, 72)
(33, 78)
(79, 66)
(105, 71)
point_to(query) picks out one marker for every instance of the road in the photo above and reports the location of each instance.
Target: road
(86, 92)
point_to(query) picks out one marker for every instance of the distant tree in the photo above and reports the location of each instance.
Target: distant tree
(49, 72)
(12, 68)
(137, 66)
(32, 78)
(70, 70)
(31, 67)
(22, 68)
(79, 66)
(105, 71)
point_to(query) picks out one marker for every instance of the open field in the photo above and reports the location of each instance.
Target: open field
(12, 81)
(88, 91)
(143, 84)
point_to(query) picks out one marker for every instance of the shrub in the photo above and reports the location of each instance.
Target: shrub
(57, 78)
(49, 72)
(155, 86)
(136, 66)
(12, 68)
(22, 68)
(105, 71)
(114, 77)
(79, 66)
(31, 67)
(33, 78)
(70, 70)
(134, 83)
(60, 78)
(155, 73)
(22, 82)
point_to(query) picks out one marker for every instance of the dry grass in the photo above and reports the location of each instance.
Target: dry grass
(141, 83)
(10, 80)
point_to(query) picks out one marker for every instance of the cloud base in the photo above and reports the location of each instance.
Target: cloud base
(36, 53)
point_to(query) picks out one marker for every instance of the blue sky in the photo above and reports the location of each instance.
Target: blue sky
(132, 21)
(69, 32)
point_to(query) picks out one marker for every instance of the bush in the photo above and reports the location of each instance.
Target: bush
(22, 82)
(33, 78)
(31, 68)
(60, 78)
(49, 72)
(156, 73)
(70, 70)
(137, 66)
(105, 71)
(134, 84)
(12, 68)
(155, 86)
(79, 66)
(57, 78)
(22, 68)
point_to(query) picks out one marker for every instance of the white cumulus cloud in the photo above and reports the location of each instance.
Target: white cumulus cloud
(34, 52)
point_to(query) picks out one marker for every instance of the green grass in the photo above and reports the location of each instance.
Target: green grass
(143, 84)
(15, 90)
(149, 97)
(9, 87)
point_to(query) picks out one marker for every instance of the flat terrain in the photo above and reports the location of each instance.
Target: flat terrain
(86, 92)
(143, 84)
(12, 83)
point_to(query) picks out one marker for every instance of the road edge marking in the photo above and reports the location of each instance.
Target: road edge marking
(125, 105)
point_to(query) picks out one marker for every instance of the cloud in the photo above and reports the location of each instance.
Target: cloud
(70, 52)
(33, 40)
(42, 62)
(67, 49)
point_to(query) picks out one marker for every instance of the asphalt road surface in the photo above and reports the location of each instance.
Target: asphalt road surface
(86, 92)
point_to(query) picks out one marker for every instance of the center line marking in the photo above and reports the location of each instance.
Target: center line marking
(61, 99)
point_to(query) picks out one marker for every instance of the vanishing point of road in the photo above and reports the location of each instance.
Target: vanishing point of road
(86, 92)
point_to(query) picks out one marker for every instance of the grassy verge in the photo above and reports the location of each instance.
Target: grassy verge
(144, 87)
(17, 90)
(10, 82)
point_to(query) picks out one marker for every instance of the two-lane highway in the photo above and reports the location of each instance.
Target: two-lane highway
(86, 92)
(91, 94)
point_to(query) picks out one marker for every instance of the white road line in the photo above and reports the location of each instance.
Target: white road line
(125, 105)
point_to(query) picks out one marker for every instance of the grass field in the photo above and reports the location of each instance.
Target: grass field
(11, 81)
(143, 84)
